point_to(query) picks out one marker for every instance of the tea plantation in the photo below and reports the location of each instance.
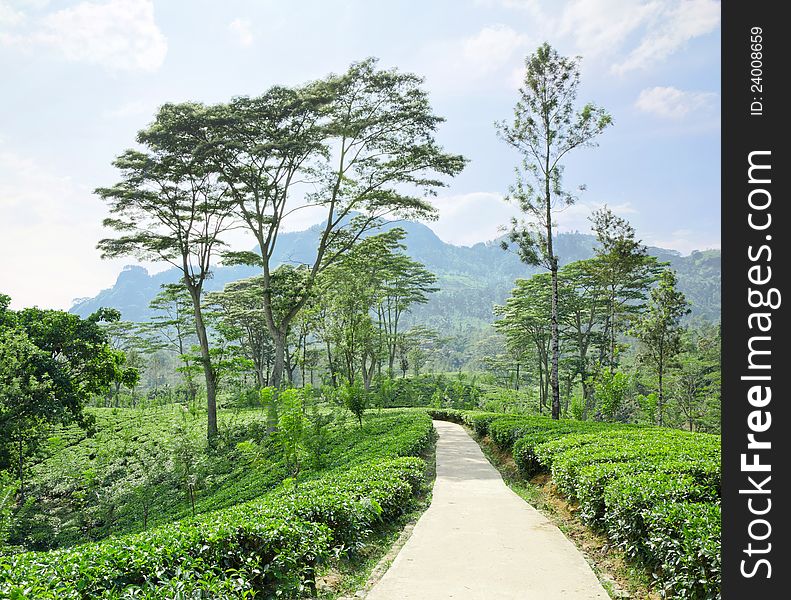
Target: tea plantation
(261, 528)
(654, 491)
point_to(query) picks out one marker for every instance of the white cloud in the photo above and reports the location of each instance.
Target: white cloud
(49, 227)
(599, 26)
(467, 219)
(684, 241)
(633, 34)
(467, 61)
(682, 22)
(9, 16)
(672, 103)
(118, 35)
(491, 48)
(242, 31)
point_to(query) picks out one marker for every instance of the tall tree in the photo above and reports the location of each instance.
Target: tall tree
(525, 321)
(405, 282)
(170, 207)
(363, 139)
(51, 363)
(660, 329)
(545, 128)
(625, 272)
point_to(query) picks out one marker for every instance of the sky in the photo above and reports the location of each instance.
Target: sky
(78, 79)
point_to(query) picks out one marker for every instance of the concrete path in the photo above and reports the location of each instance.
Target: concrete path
(480, 541)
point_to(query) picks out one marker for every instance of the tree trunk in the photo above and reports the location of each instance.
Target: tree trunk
(276, 376)
(21, 469)
(304, 357)
(208, 371)
(554, 380)
(331, 366)
(661, 402)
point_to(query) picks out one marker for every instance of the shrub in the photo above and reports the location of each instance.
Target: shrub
(447, 414)
(271, 545)
(355, 398)
(627, 499)
(684, 538)
(479, 421)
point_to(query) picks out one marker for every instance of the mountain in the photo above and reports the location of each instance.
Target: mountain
(471, 278)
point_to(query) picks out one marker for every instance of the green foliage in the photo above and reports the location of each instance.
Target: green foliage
(654, 491)
(577, 408)
(611, 390)
(626, 500)
(139, 481)
(684, 538)
(270, 545)
(458, 391)
(648, 404)
(355, 398)
(291, 427)
(51, 363)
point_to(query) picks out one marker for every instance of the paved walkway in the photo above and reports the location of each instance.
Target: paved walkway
(480, 541)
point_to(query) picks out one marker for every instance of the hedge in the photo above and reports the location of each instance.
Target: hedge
(271, 545)
(654, 491)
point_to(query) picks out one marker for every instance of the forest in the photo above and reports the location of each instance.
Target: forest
(266, 432)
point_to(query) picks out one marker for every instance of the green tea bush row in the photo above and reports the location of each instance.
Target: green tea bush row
(628, 499)
(266, 546)
(654, 491)
(684, 540)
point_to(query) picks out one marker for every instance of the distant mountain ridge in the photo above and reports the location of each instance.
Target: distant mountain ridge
(471, 278)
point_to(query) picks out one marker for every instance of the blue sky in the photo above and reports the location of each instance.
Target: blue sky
(80, 78)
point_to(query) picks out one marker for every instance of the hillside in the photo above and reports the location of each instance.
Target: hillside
(471, 278)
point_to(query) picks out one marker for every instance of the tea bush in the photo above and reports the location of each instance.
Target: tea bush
(269, 545)
(654, 491)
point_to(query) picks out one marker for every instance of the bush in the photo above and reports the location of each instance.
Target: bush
(684, 538)
(447, 414)
(270, 545)
(627, 499)
(479, 421)
(355, 398)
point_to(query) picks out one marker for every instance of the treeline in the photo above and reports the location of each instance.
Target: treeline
(626, 353)
(350, 330)
(358, 147)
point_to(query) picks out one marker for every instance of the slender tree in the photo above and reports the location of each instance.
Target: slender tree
(625, 273)
(582, 299)
(660, 329)
(545, 128)
(525, 321)
(170, 207)
(405, 282)
(172, 326)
